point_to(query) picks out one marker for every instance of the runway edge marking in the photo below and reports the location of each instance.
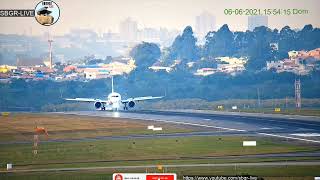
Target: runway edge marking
(193, 124)
(288, 137)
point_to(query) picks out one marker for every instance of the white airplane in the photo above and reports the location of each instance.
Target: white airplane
(114, 101)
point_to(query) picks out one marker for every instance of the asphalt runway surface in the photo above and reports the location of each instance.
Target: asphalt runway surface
(297, 128)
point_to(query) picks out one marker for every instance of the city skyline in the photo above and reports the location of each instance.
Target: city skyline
(256, 21)
(107, 15)
(205, 22)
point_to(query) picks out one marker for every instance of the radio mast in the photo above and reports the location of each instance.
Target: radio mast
(297, 85)
(50, 51)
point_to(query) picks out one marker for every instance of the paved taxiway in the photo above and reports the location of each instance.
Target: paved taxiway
(298, 128)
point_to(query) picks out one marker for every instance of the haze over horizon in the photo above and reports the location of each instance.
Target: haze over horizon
(103, 16)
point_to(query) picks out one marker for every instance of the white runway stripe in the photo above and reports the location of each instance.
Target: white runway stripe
(307, 134)
(207, 119)
(288, 137)
(195, 124)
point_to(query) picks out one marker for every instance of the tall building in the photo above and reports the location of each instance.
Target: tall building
(128, 30)
(50, 52)
(149, 35)
(205, 22)
(256, 21)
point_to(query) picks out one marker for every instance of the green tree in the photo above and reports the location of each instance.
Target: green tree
(307, 38)
(220, 43)
(260, 50)
(145, 54)
(288, 39)
(184, 46)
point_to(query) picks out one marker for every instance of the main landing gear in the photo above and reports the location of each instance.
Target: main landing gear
(125, 107)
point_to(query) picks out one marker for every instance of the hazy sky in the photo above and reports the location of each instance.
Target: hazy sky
(104, 15)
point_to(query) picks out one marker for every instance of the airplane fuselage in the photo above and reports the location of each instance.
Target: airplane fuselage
(114, 100)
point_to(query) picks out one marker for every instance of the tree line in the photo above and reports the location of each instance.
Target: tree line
(256, 45)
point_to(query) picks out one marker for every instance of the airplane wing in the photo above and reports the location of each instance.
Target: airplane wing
(141, 98)
(86, 100)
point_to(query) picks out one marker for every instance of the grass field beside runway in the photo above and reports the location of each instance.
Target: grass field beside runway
(302, 112)
(140, 149)
(310, 106)
(20, 127)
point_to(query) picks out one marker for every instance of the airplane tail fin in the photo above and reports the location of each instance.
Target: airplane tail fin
(112, 84)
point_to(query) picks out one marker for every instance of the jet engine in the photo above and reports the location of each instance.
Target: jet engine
(131, 104)
(97, 105)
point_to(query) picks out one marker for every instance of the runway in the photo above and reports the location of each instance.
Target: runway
(297, 128)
